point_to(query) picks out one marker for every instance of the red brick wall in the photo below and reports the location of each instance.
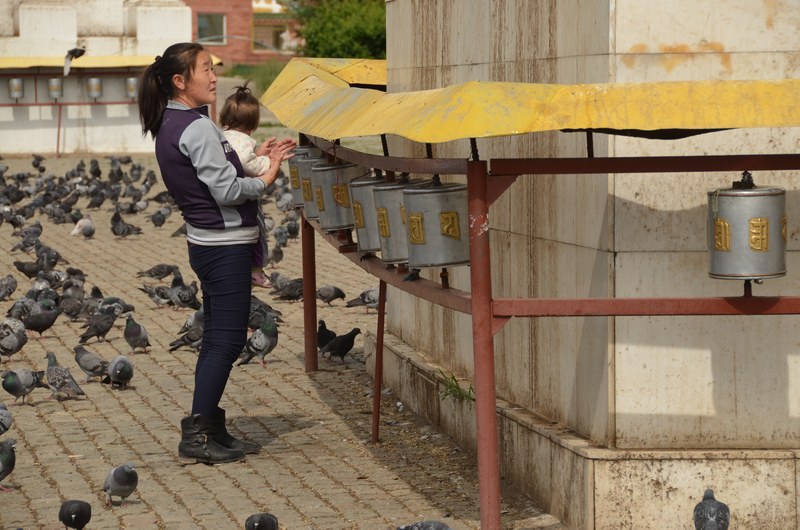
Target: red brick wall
(238, 28)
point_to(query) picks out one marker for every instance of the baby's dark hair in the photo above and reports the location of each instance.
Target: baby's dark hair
(241, 111)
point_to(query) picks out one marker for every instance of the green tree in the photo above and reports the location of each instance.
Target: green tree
(341, 28)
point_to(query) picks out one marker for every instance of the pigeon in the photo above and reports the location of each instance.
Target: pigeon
(12, 343)
(60, 380)
(158, 294)
(329, 293)
(122, 229)
(21, 382)
(135, 334)
(192, 338)
(42, 321)
(75, 514)
(368, 298)
(8, 285)
(275, 256)
(340, 345)
(292, 291)
(119, 372)
(425, 525)
(183, 295)
(99, 325)
(324, 335)
(158, 272)
(8, 459)
(91, 363)
(261, 342)
(74, 53)
(194, 320)
(84, 227)
(711, 514)
(6, 420)
(261, 521)
(121, 481)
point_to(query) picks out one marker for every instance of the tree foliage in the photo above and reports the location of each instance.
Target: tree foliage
(341, 28)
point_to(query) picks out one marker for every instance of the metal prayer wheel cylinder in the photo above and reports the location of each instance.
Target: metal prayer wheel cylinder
(436, 220)
(301, 153)
(332, 193)
(132, 87)
(55, 88)
(747, 233)
(391, 218)
(304, 166)
(16, 89)
(365, 219)
(94, 87)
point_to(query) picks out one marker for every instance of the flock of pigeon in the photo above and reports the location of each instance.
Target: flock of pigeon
(58, 291)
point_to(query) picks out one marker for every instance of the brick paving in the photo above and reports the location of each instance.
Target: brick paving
(317, 469)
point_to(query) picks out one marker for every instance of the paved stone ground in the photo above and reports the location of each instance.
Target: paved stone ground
(317, 469)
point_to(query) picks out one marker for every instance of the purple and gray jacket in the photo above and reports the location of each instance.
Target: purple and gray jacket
(203, 174)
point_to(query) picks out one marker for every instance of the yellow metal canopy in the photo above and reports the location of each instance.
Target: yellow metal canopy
(85, 61)
(315, 97)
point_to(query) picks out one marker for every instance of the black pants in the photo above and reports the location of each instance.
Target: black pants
(224, 274)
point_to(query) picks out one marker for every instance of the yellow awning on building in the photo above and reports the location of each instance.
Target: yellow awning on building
(315, 97)
(85, 61)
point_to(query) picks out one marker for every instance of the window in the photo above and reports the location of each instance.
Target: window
(211, 28)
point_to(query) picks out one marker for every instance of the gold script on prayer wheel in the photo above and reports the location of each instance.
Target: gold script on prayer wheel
(383, 222)
(449, 224)
(341, 195)
(416, 229)
(722, 235)
(783, 228)
(759, 234)
(307, 190)
(403, 214)
(358, 214)
(320, 199)
(295, 177)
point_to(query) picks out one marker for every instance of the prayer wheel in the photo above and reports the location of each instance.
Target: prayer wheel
(331, 182)
(301, 153)
(365, 220)
(55, 88)
(747, 232)
(391, 218)
(94, 87)
(436, 221)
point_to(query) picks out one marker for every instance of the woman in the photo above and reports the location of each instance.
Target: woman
(204, 176)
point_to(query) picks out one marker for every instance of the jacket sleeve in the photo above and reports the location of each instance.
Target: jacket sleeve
(253, 164)
(201, 141)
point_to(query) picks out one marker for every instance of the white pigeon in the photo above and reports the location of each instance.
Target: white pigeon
(84, 227)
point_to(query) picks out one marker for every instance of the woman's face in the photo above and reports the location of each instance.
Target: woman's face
(201, 88)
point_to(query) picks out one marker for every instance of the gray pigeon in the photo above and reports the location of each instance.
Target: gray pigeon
(329, 293)
(60, 380)
(21, 382)
(341, 345)
(91, 363)
(119, 372)
(425, 525)
(135, 334)
(8, 459)
(182, 295)
(158, 294)
(8, 285)
(158, 272)
(368, 298)
(12, 343)
(192, 338)
(121, 482)
(6, 420)
(75, 514)
(711, 514)
(261, 521)
(275, 256)
(261, 342)
(99, 324)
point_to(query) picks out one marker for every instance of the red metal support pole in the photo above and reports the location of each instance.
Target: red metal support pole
(309, 295)
(483, 346)
(378, 375)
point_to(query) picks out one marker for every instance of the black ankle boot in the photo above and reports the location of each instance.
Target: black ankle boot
(224, 438)
(198, 445)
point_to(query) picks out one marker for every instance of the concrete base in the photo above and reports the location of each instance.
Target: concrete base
(587, 486)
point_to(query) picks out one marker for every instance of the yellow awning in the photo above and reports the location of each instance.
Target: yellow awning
(315, 97)
(85, 61)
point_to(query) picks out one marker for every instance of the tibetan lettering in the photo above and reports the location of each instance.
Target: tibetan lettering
(383, 222)
(341, 195)
(759, 234)
(449, 224)
(358, 214)
(307, 196)
(416, 229)
(722, 235)
(320, 199)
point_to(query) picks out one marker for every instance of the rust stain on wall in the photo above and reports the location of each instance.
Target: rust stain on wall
(719, 49)
(629, 59)
(771, 6)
